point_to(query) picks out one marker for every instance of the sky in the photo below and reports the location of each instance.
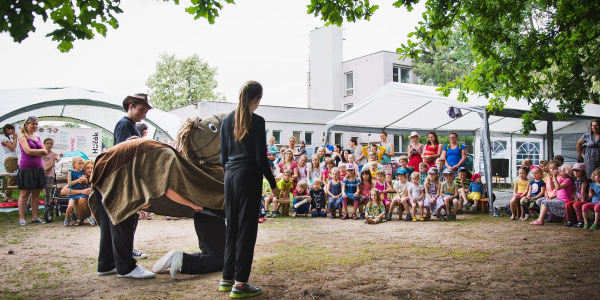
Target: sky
(263, 40)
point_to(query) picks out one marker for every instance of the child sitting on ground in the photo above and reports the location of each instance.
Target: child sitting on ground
(375, 210)
(415, 194)
(450, 195)
(317, 200)
(334, 191)
(76, 181)
(364, 190)
(268, 198)
(581, 190)
(595, 204)
(403, 160)
(350, 191)
(423, 167)
(301, 199)
(520, 190)
(475, 191)
(432, 201)
(440, 162)
(536, 190)
(400, 186)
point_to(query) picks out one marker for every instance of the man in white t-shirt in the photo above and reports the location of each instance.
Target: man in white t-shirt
(9, 144)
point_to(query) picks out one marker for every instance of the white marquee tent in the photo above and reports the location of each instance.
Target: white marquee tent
(400, 108)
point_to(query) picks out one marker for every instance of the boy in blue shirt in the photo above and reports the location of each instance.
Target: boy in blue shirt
(475, 191)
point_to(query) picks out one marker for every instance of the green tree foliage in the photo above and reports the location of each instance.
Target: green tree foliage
(79, 19)
(72, 125)
(439, 64)
(179, 82)
(535, 51)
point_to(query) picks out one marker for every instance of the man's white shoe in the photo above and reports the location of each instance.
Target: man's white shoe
(176, 264)
(164, 262)
(138, 255)
(113, 271)
(139, 272)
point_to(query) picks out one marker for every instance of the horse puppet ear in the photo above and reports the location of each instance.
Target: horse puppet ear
(197, 122)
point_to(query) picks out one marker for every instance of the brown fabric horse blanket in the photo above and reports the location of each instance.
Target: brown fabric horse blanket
(137, 173)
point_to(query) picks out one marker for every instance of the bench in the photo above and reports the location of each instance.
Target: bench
(285, 207)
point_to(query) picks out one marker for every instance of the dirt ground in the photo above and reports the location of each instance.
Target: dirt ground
(476, 257)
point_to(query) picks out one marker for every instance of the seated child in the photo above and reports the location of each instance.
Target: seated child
(564, 193)
(462, 184)
(475, 192)
(440, 162)
(342, 168)
(403, 160)
(520, 190)
(433, 200)
(364, 190)
(285, 186)
(350, 192)
(268, 198)
(301, 199)
(384, 188)
(581, 190)
(529, 164)
(400, 186)
(450, 195)
(594, 206)
(559, 159)
(334, 191)
(536, 190)
(317, 202)
(326, 173)
(375, 210)
(423, 167)
(314, 170)
(76, 181)
(415, 194)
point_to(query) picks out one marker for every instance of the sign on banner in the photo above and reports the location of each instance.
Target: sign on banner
(67, 139)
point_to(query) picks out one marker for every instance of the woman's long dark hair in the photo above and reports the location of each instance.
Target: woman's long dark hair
(7, 127)
(251, 91)
(344, 157)
(437, 141)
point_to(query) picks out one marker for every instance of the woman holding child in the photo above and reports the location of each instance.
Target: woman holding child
(245, 163)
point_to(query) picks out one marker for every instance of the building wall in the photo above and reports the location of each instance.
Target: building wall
(325, 78)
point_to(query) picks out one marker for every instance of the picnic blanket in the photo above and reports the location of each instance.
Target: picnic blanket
(138, 172)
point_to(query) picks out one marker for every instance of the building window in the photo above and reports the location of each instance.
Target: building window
(397, 143)
(338, 138)
(498, 151)
(297, 135)
(277, 135)
(528, 150)
(401, 74)
(349, 106)
(349, 84)
(308, 138)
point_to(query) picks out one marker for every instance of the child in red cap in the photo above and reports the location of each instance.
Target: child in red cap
(475, 191)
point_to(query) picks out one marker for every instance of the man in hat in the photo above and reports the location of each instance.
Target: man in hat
(117, 254)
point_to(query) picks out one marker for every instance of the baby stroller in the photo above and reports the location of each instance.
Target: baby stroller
(58, 205)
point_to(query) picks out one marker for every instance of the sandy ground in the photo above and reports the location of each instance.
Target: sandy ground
(477, 257)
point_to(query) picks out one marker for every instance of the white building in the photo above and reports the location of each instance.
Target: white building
(333, 86)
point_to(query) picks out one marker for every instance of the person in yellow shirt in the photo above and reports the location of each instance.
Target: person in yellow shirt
(379, 150)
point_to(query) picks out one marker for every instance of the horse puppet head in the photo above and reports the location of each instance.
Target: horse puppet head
(199, 140)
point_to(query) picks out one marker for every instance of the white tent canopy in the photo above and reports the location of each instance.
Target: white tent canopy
(400, 108)
(78, 105)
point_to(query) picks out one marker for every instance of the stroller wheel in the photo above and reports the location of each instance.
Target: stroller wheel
(48, 213)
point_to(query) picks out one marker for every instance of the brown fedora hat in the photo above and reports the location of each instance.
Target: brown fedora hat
(136, 98)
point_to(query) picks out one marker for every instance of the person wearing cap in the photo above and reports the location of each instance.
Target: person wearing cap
(475, 191)
(454, 153)
(415, 151)
(116, 254)
(301, 150)
(462, 184)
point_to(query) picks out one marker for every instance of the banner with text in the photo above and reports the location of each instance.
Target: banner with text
(67, 139)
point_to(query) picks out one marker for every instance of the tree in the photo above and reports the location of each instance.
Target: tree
(72, 125)
(79, 19)
(439, 64)
(179, 82)
(535, 51)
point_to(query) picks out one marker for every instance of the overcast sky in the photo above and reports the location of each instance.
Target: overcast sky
(263, 40)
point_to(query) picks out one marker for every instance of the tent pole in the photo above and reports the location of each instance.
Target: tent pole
(550, 140)
(487, 155)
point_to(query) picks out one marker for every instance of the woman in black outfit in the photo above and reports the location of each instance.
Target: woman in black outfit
(244, 159)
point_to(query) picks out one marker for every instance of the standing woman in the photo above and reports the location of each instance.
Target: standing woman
(432, 149)
(415, 150)
(11, 164)
(454, 153)
(592, 149)
(386, 158)
(31, 178)
(244, 160)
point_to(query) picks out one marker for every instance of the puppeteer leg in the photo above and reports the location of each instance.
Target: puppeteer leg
(211, 240)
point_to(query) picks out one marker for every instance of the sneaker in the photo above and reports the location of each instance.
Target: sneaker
(167, 218)
(273, 215)
(579, 224)
(39, 221)
(408, 218)
(569, 223)
(453, 218)
(388, 217)
(459, 212)
(138, 255)
(421, 219)
(113, 271)
(226, 285)
(362, 216)
(331, 217)
(474, 209)
(164, 262)
(414, 219)
(139, 273)
(176, 264)
(244, 291)
(549, 218)
(66, 223)
(268, 214)
(22, 222)
(175, 218)
(593, 227)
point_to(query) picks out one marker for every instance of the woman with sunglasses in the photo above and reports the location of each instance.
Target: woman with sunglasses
(592, 148)
(31, 178)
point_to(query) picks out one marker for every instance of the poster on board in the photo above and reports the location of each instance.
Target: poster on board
(67, 139)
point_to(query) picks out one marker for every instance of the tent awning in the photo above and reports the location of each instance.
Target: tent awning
(78, 105)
